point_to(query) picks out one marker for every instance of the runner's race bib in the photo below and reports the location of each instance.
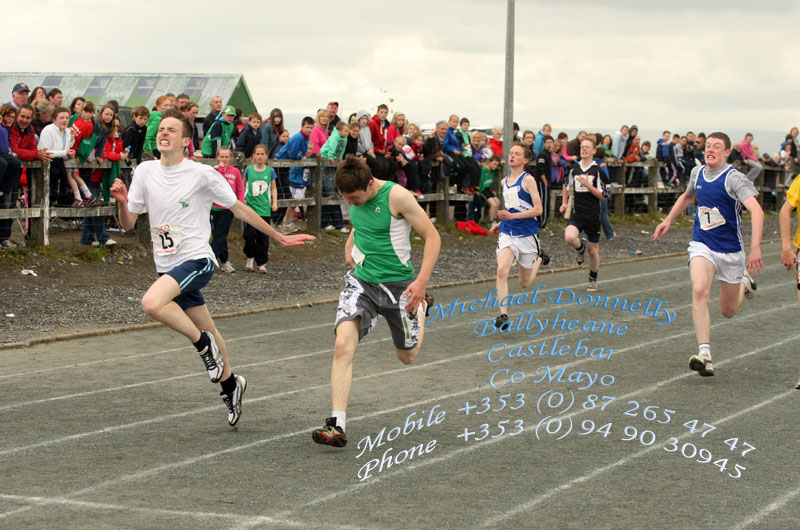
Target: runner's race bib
(358, 256)
(579, 186)
(710, 218)
(510, 198)
(166, 239)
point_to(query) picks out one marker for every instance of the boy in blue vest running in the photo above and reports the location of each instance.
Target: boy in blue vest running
(381, 281)
(717, 249)
(518, 229)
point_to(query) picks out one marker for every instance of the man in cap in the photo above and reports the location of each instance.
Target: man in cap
(333, 109)
(19, 95)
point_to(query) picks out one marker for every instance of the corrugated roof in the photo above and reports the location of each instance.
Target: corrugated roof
(130, 89)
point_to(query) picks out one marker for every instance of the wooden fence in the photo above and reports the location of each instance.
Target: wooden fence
(41, 211)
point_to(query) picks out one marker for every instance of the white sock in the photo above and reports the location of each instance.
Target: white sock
(86, 192)
(341, 418)
(77, 195)
(705, 349)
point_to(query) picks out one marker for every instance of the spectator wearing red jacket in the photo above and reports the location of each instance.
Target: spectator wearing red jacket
(496, 142)
(23, 138)
(378, 128)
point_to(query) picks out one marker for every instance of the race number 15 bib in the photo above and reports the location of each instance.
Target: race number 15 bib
(166, 239)
(709, 217)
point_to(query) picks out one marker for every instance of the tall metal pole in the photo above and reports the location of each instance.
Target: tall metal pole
(508, 98)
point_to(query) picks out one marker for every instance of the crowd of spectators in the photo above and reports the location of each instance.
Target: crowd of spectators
(37, 126)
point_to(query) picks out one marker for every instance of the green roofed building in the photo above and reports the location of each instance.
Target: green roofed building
(134, 89)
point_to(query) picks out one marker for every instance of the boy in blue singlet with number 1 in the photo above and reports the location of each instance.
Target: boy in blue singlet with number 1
(717, 249)
(518, 229)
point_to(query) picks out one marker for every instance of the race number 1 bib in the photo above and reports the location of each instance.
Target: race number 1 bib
(510, 198)
(166, 239)
(709, 217)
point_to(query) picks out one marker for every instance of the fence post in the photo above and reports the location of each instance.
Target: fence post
(40, 196)
(314, 212)
(652, 178)
(619, 198)
(759, 182)
(443, 185)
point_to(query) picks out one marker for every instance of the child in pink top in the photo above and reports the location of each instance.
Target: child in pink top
(221, 218)
(320, 133)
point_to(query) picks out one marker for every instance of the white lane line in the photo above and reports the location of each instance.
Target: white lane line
(140, 423)
(257, 443)
(203, 516)
(160, 352)
(261, 363)
(479, 445)
(167, 379)
(778, 504)
(493, 521)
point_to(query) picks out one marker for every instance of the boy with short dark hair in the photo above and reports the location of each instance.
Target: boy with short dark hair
(134, 134)
(296, 148)
(250, 137)
(716, 251)
(381, 280)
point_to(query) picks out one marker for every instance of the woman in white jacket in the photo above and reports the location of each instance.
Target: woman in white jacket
(56, 138)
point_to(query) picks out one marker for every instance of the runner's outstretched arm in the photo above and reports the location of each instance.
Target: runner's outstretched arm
(249, 216)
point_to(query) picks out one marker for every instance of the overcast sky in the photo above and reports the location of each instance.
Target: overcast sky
(722, 64)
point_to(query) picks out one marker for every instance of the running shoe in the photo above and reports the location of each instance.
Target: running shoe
(701, 364)
(234, 401)
(330, 434)
(329, 227)
(262, 269)
(89, 201)
(592, 287)
(227, 267)
(212, 358)
(250, 266)
(749, 286)
(77, 203)
(545, 257)
(344, 230)
(581, 254)
(429, 301)
(501, 321)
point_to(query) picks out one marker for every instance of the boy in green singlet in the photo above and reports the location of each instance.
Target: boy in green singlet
(381, 281)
